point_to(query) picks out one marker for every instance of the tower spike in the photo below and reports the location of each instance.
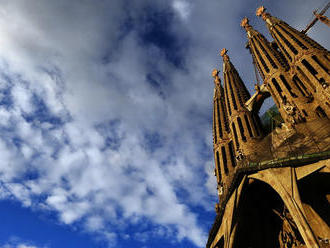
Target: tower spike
(274, 70)
(308, 61)
(222, 143)
(244, 125)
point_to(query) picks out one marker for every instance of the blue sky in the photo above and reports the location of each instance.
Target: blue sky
(105, 117)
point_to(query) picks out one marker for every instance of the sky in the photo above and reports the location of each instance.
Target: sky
(106, 116)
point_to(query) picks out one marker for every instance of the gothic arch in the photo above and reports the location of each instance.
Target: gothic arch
(258, 217)
(284, 182)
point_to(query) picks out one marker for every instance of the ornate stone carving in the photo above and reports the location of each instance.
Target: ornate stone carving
(289, 235)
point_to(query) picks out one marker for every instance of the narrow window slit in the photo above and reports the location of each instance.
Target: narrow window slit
(218, 163)
(248, 125)
(224, 159)
(231, 152)
(288, 86)
(235, 135)
(240, 125)
(219, 120)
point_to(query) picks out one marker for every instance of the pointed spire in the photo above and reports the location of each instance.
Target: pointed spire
(308, 62)
(234, 85)
(219, 98)
(267, 17)
(222, 143)
(245, 23)
(244, 127)
(274, 68)
(263, 53)
(218, 89)
(227, 65)
(290, 40)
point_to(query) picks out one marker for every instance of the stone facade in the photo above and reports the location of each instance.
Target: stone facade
(274, 189)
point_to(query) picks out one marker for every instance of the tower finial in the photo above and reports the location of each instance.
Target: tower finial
(215, 75)
(224, 54)
(261, 11)
(245, 23)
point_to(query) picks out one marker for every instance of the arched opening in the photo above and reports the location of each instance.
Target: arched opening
(263, 220)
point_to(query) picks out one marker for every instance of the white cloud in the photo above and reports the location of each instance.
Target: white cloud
(18, 246)
(25, 246)
(183, 8)
(16, 242)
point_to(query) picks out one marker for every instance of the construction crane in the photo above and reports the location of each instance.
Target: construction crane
(318, 16)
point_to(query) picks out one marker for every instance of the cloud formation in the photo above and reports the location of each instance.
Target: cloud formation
(105, 110)
(15, 242)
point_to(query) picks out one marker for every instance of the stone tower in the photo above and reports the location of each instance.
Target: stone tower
(244, 124)
(224, 154)
(309, 62)
(273, 187)
(292, 99)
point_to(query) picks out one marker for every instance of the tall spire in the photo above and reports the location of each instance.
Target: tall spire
(289, 39)
(222, 144)
(244, 125)
(265, 56)
(220, 116)
(237, 94)
(309, 62)
(292, 98)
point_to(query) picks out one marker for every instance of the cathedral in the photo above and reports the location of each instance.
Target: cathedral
(273, 172)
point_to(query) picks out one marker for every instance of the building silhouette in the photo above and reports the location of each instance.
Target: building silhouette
(273, 183)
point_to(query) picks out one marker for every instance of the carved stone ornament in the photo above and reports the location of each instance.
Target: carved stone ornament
(215, 75)
(240, 155)
(224, 54)
(288, 236)
(245, 22)
(260, 10)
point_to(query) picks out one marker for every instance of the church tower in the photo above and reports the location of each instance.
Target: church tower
(223, 148)
(292, 98)
(273, 187)
(244, 125)
(309, 62)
